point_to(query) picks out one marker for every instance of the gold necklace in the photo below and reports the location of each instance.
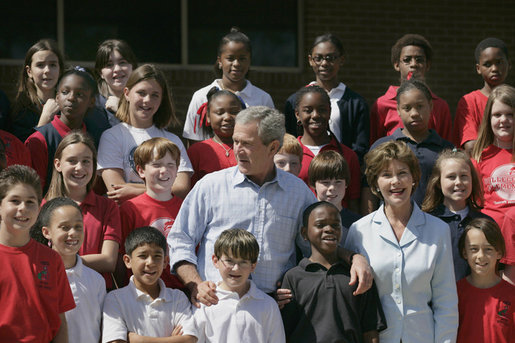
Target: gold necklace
(222, 145)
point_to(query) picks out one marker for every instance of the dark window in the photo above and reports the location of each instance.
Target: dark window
(271, 26)
(152, 30)
(23, 24)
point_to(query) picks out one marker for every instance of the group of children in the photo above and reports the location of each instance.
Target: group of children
(125, 111)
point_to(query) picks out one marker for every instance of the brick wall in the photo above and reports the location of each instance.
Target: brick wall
(368, 30)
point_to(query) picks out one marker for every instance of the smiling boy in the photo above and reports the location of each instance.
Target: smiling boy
(156, 162)
(243, 313)
(145, 308)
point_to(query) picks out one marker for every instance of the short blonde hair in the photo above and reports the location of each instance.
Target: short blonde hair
(154, 149)
(378, 159)
(291, 146)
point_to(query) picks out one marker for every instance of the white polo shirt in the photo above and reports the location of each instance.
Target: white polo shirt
(251, 96)
(89, 290)
(130, 310)
(253, 318)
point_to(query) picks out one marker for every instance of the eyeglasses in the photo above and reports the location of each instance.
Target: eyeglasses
(418, 59)
(329, 58)
(241, 264)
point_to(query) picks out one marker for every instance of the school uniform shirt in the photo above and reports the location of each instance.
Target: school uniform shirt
(130, 310)
(508, 232)
(15, 151)
(34, 291)
(254, 317)
(117, 147)
(414, 276)
(144, 210)
(88, 288)
(41, 150)
(426, 152)
(250, 95)
(350, 118)
(225, 199)
(354, 188)
(457, 225)
(486, 314)
(469, 115)
(209, 156)
(384, 118)
(323, 308)
(101, 217)
(496, 170)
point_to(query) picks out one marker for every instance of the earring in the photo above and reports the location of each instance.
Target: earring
(299, 123)
(378, 190)
(413, 184)
(219, 65)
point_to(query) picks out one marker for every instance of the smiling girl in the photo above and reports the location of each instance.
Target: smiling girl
(114, 63)
(75, 96)
(146, 111)
(493, 152)
(349, 120)
(232, 66)
(35, 102)
(73, 176)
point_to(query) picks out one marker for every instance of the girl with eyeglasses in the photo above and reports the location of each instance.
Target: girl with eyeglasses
(349, 119)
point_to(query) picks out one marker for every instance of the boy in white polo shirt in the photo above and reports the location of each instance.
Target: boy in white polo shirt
(145, 308)
(243, 312)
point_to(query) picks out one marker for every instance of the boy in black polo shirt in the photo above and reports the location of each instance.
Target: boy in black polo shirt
(323, 308)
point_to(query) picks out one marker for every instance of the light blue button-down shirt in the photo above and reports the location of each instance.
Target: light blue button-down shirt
(414, 277)
(228, 199)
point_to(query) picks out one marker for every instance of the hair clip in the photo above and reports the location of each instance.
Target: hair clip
(79, 68)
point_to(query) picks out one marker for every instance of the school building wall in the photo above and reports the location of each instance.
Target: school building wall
(368, 30)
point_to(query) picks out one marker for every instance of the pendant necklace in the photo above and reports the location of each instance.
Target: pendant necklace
(222, 145)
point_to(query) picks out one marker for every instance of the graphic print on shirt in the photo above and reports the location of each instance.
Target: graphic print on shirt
(503, 313)
(163, 224)
(502, 182)
(42, 274)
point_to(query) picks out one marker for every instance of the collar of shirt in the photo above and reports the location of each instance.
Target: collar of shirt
(240, 179)
(77, 269)
(391, 93)
(61, 128)
(334, 144)
(251, 293)
(89, 200)
(416, 223)
(335, 93)
(163, 294)
(433, 137)
(309, 266)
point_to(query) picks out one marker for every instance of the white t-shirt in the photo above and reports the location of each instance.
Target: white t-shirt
(117, 145)
(251, 96)
(89, 290)
(130, 310)
(253, 318)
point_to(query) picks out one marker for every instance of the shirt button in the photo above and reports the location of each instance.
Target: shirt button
(397, 270)
(398, 300)
(397, 286)
(399, 254)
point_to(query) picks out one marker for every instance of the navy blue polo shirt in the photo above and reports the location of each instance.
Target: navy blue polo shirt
(426, 152)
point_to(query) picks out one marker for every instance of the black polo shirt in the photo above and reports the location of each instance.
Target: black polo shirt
(323, 308)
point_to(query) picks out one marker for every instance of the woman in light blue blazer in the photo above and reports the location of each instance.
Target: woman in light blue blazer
(409, 251)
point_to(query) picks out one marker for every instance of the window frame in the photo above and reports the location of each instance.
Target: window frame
(184, 65)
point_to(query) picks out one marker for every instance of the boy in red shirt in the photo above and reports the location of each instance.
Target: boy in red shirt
(411, 57)
(34, 289)
(156, 162)
(492, 63)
